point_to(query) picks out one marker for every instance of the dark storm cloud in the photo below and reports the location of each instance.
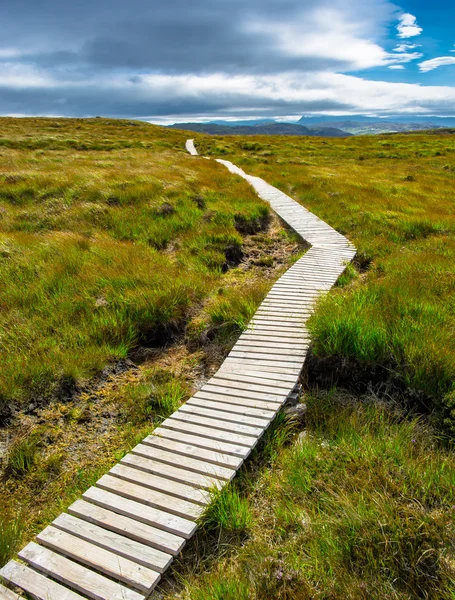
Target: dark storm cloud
(176, 36)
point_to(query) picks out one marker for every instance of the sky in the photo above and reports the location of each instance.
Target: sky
(179, 60)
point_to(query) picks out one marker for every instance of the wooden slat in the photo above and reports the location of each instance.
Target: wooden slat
(36, 585)
(216, 412)
(218, 429)
(149, 497)
(236, 398)
(118, 544)
(155, 467)
(6, 594)
(104, 561)
(160, 484)
(76, 576)
(229, 390)
(206, 430)
(237, 409)
(274, 366)
(161, 519)
(202, 441)
(282, 382)
(128, 527)
(171, 453)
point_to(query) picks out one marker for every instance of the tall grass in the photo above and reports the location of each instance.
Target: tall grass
(359, 507)
(109, 236)
(392, 195)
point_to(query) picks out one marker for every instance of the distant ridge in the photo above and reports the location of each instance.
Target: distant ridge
(261, 129)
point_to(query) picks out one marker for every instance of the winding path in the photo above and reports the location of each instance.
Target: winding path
(116, 541)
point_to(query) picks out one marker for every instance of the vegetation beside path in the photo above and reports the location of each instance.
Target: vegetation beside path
(358, 504)
(127, 269)
(391, 322)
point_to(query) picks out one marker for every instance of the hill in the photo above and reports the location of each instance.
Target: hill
(260, 129)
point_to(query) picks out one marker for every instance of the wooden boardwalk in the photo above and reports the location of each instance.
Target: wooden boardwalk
(116, 541)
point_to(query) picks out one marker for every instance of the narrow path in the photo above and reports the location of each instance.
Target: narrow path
(116, 541)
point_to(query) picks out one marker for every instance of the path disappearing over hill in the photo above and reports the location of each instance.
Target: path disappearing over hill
(116, 541)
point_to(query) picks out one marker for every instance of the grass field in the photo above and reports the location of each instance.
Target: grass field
(121, 289)
(359, 505)
(357, 502)
(127, 268)
(393, 196)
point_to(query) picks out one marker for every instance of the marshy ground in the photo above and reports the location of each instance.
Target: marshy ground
(127, 270)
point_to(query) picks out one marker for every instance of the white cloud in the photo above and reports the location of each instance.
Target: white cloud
(396, 67)
(20, 76)
(434, 63)
(405, 47)
(407, 26)
(9, 53)
(333, 34)
(295, 90)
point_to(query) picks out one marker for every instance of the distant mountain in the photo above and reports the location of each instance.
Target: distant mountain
(261, 129)
(242, 123)
(361, 125)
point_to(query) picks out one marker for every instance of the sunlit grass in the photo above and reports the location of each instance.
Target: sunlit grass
(392, 195)
(109, 234)
(359, 506)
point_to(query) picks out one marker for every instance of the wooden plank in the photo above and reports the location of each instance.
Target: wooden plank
(281, 323)
(175, 456)
(280, 318)
(236, 398)
(219, 427)
(76, 576)
(34, 584)
(279, 381)
(202, 441)
(278, 357)
(165, 441)
(235, 365)
(104, 561)
(139, 512)
(128, 527)
(217, 412)
(160, 484)
(118, 544)
(237, 409)
(289, 313)
(270, 330)
(254, 341)
(173, 473)
(208, 431)
(6, 594)
(149, 497)
(294, 354)
(247, 391)
(273, 366)
(227, 390)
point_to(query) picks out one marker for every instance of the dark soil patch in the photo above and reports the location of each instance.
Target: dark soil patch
(381, 380)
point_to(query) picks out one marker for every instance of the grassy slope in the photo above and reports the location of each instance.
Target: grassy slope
(108, 230)
(393, 197)
(111, 237)
(360, 504)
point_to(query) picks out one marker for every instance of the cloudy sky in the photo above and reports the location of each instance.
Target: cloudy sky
(177, 60)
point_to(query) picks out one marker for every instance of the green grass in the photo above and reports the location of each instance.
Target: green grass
(359, 506)
(392, 195)
(109, 235)
(115, 246)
